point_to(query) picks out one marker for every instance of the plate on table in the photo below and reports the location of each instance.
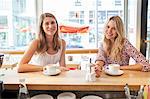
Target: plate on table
(58, 71)
(120, 72)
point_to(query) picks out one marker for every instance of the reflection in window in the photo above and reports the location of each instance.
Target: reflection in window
(101, 17)
(72, 14)
(4, 5)
(99, 3)
(91, 14)
(3, 39)
(117, 2)
(3, 22)
(77, 3)
(91, 17)
(112, 13)
(81, 14)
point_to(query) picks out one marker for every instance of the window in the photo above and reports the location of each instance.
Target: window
(3, 22)
(17, 23)
(77, 3)
(132, 22)
(84, 15)
(20, 20)
(99, 3)
(112, 13)
(117, 2)
(4, 5)
(3, 38)
(91, 17)
(101, 17)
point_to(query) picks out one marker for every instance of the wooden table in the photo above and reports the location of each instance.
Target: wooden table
(75, 80)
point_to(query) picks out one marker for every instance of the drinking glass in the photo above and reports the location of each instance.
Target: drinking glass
(23, 91)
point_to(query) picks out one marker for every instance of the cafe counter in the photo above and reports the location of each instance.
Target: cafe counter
(75, 80)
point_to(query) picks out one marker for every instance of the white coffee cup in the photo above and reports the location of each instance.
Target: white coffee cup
(50, 69)
(114, 68)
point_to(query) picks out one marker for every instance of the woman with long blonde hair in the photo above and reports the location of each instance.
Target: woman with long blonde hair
(116, 49)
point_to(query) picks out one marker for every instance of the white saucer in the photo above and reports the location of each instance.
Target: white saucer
(51, 74)
(120, 72)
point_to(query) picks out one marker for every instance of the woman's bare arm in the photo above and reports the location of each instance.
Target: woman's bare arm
(62, 58)
(62, 62)
(23, 64)
(136, 67)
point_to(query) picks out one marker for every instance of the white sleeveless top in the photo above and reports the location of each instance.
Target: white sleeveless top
(45, 58)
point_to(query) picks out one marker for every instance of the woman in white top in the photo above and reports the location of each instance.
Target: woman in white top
(48, 47)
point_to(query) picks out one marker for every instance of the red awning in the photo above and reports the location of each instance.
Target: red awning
(71, 29)
(64, 29)
(25, 29)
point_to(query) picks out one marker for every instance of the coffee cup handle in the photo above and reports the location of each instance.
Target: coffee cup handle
(44, 68)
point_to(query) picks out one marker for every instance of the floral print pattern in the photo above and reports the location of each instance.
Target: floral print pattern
(129, 51)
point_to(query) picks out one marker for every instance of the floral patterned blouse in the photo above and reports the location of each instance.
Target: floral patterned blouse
(128, 51)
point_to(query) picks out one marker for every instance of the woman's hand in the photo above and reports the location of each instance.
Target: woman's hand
(98, 70)
(64, 68)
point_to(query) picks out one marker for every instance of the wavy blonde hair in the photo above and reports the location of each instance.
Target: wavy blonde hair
(115, 50)
(43, 46)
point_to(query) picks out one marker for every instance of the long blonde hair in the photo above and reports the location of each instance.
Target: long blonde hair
(43, 46)
(115, 50)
